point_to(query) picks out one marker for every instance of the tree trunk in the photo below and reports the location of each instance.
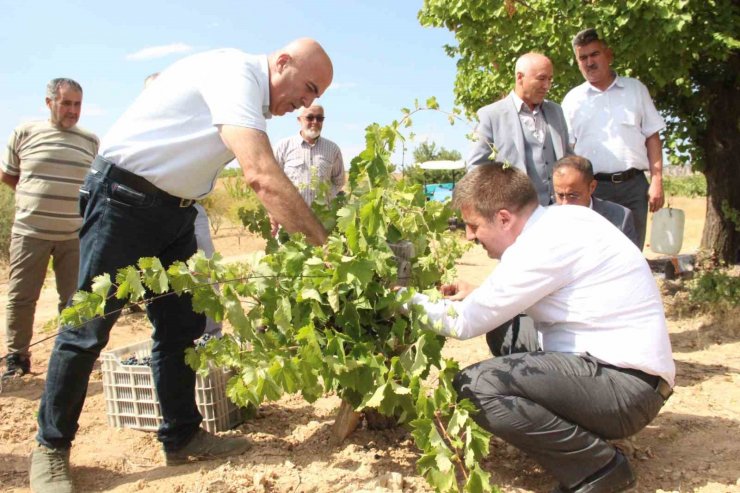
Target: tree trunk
(721, 145)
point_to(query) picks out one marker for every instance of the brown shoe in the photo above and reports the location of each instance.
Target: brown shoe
(49, 472)
(205, 446)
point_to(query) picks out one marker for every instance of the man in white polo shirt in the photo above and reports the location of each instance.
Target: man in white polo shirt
(167, 150)
(605, 368)
(612, 121)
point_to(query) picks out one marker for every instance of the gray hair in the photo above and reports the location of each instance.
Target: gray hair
(578, 163)
(587, 36)
(52, 88)
(491, 186)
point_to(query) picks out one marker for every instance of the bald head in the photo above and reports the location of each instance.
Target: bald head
(533, 72)
(299, 73)
(315, 109)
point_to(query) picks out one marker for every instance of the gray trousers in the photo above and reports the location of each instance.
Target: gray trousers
(205, 243)
(29, 260)
(559, 408)
(632, 194)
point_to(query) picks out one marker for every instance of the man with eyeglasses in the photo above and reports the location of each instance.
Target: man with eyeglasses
(312, 162)
(524, 129)
(574, 184)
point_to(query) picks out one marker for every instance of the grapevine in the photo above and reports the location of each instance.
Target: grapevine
(313, 320)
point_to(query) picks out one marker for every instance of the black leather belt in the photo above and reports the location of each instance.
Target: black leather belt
(136, 182)
(620, 177)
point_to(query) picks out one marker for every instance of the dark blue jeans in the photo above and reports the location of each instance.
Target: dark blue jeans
(119, 227)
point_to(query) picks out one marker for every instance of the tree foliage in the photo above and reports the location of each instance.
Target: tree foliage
(313, 320)
(427, 151)
(685, 51)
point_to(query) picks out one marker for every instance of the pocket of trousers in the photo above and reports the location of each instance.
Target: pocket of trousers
(127, 196)
(84, 199)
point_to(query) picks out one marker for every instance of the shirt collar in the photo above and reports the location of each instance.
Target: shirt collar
(305, 142)
(617, 82)
(534, 217)
(264, 82)
(522, 106)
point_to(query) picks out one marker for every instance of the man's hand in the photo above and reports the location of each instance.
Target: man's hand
(276, 192)
(655, 161)
(274, 225)
(457, 291)
(656, 198)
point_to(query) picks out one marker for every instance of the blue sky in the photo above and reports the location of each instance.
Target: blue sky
(383, 59)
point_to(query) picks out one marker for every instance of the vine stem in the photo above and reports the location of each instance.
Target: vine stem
(448, 440)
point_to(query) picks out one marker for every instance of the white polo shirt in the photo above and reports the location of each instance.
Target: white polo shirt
(169, 135)
(585, 285)
(610, 127)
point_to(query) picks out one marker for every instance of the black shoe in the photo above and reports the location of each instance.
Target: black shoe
(17, 366)
(615, 477)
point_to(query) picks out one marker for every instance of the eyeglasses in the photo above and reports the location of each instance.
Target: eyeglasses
(318, 118)
(568, 196)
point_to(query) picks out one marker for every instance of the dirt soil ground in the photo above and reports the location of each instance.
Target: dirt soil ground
(693, 445)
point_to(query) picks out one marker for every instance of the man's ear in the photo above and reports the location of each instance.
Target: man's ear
(506, 217)
(48, 103)
(592, 187)
(283, 60)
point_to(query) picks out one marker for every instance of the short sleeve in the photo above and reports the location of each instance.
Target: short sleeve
(233, 93)
(11, 162)
(652, 121)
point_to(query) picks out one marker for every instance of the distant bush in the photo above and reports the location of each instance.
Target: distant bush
(230, 172)
(7, 213)
(685, 186)
(716, 288)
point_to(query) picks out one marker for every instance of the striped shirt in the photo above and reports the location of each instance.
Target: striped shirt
(309, 165)
(50, 164)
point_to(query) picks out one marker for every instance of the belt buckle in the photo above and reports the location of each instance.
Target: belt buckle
(186, 202)
(617, 177)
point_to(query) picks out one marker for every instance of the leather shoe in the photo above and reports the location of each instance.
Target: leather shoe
(615, 477)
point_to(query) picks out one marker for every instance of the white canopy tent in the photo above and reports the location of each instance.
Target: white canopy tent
(443, 165)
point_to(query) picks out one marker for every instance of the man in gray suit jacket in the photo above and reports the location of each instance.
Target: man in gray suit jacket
(574, 183)
(524, 129)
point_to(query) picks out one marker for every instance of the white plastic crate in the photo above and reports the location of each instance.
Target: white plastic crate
(131, 400)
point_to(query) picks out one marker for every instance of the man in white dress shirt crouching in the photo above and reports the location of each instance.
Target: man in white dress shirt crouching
(605, 368)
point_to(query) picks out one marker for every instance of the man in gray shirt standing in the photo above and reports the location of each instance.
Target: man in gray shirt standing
(524, 129)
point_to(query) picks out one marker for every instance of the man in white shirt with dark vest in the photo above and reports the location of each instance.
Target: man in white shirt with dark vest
(524, 128)
(166, 151)
(612, 121)
(605, 368)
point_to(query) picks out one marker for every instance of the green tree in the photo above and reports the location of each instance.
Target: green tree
(427, 151)
(685, 51)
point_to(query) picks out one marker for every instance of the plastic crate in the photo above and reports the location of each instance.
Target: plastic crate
(131, 400)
